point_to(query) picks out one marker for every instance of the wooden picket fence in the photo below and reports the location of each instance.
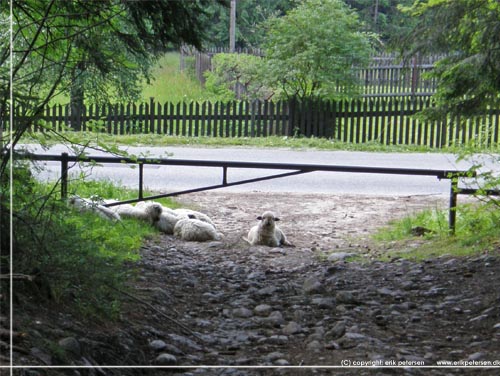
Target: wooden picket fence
(385, 120)
(385, 75)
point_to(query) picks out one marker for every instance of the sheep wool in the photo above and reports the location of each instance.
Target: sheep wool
(84, 204)
(167, 222)
(151, 212)
(191, 229)
(188, 213)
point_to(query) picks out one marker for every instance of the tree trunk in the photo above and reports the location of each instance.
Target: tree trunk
(77, 96)
(375, 13)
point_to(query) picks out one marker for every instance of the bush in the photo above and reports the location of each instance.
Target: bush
(236, 76)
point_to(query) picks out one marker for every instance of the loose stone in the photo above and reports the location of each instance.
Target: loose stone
(157, 345)
(292, 328)
(242, 313)
(166, 359)
(312, 285)
(71, 345)
(263, 310)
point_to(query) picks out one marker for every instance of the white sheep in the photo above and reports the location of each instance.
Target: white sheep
(149, 212)
(84, 204)
(191, 229)
(188, 213)
(167, 222)
(267, 232)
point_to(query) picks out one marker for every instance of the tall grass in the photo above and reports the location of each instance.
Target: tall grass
(477, 231)
(172, 85)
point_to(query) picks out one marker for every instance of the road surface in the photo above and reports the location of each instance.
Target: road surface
(167, 179)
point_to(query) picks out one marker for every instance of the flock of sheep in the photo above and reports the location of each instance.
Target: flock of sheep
(185, 224)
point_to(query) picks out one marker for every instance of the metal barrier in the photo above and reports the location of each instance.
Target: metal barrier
(297, 169)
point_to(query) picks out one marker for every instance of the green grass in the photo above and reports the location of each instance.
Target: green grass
(258, 142)
(172, 85)
(477, 232)
(118, 241)
(107, 189)
(169, 84)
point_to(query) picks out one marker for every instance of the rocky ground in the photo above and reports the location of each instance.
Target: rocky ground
(230, 304)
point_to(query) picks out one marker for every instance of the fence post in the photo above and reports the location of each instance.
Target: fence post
(152, 115)
(291, 116)
(64, 176)
(453, 205)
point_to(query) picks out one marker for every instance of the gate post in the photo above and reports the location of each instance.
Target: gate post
(141, 180)
(64, 175)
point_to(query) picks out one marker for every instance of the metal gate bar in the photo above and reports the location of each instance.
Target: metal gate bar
(298, 169)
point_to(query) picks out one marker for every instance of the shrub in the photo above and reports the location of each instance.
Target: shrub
(236, 76)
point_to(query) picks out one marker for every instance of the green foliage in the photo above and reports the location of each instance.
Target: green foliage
(250, 15)
(467, 30)
(79, 256)
(311, 51)
(469, 75)
(269, 141)
(166, 84)
(240, 73)
(433, 220)
(107, 189)
(383, 17)
(92, 49)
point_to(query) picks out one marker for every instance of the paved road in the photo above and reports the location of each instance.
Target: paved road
(171, 178)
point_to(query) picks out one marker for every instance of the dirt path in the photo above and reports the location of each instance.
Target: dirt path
(316, 221)
(227, 303)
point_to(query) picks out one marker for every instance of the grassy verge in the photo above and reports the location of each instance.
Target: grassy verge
(89, 138)
(477, 232)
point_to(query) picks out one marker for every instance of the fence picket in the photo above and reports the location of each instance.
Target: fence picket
(212, 109)
(178, 119)
(227, 120)
(240, 112)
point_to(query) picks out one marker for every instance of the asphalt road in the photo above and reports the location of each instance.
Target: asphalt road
(172, 178)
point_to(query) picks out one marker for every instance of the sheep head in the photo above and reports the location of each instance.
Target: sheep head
(267, 219)
(154, 212)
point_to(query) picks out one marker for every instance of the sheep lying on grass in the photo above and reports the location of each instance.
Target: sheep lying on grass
(186, 224)
(192, 229)
(151, 212)
(84, 204)
(267, 233)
